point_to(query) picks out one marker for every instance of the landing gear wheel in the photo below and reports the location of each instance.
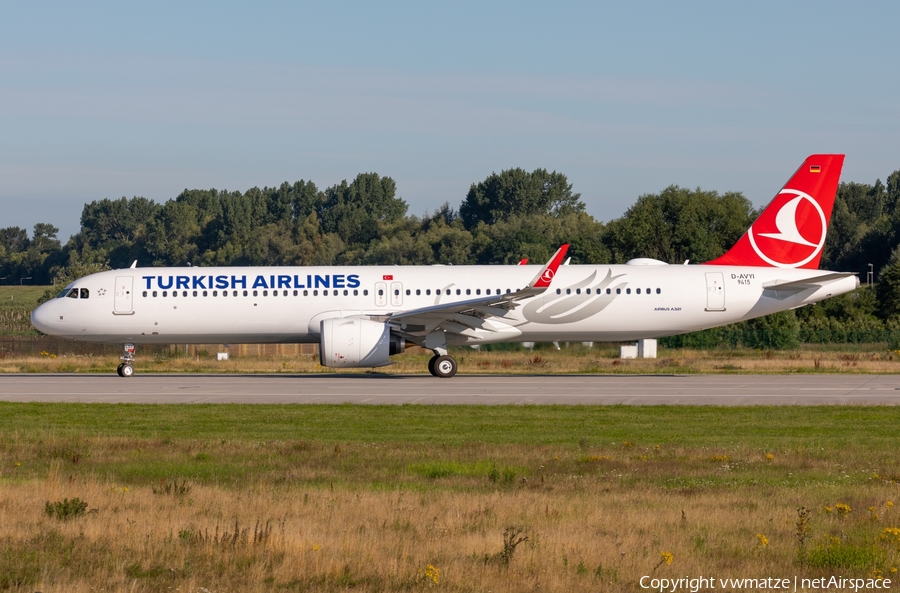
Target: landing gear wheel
(119, 370)
(445, 367)
(126, 370)
(431, 362)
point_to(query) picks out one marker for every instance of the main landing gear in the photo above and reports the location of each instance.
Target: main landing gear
(126, 369)
(443, 366)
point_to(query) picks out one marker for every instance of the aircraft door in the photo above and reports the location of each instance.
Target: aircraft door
(380, 294)
(715, 291)
(396, 294)
(123, 300)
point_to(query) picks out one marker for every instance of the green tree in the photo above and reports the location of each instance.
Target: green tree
(679, 224)
(516, 192)
(888, 286)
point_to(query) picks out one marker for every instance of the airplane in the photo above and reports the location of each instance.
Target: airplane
(362, 315)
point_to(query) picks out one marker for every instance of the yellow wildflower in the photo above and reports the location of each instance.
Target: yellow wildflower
(763, 540)
(828, 509)
(667, 557)
(315, 547)
(843, 509)
(889, 504)
(769, 457)
(433, 573)
(893, 570)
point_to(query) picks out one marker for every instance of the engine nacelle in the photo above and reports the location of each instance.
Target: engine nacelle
(357, 342)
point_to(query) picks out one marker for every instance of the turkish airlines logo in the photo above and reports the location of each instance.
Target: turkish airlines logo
(789, 234)
(547, 276)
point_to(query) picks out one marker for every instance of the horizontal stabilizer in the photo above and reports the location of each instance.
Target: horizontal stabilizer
(806, 283)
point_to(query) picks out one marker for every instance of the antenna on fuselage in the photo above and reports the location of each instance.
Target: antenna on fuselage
(133, 265)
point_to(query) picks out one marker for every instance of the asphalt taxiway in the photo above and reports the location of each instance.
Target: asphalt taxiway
(727, 390)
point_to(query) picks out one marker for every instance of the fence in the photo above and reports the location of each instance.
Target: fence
(36, 345)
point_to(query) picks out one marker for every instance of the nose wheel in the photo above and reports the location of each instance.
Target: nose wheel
(443, 366)
(126, 369)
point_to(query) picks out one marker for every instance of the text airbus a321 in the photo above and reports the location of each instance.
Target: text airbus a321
(362, 315)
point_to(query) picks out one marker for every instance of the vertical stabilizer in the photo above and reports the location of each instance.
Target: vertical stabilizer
(790, 232)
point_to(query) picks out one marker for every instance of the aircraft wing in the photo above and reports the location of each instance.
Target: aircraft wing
(806, 283)
(470, 316)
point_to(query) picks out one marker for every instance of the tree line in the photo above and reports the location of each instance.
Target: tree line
(508, 216)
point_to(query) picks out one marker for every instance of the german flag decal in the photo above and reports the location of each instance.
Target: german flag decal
(815, 169)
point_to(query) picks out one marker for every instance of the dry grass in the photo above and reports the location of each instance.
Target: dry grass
(601, 359)
(318, 516)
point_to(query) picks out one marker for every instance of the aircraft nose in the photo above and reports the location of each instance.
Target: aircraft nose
(42, 317)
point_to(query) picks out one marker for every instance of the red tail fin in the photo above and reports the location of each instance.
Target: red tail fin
(790, 232)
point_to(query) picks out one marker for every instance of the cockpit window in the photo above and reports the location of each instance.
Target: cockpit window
(64, 293)
(73, 294)
(84, 293)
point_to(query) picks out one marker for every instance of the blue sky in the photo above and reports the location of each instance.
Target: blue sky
(103, 100)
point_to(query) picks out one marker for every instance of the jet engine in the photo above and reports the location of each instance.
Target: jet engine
(357, 342)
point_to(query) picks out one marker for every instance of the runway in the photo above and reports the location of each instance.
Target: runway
(722, 390)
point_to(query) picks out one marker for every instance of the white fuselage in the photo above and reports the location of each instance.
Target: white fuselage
(287, 304)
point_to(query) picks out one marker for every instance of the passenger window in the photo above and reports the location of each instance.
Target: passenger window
(274, 293)
(568, 291)
(609, 291)
(458, 291)
(380, 292)
(468, 291)
(305, 293)
(396, 292)
(215, 293)
(204, 293)
(346, 292)
(195, 293)
(73, 294)
(627, 291)
(408, 292)
(648, 291)
(365, 292)
(315, 293)
(418, 291)
(639, 291)
(577, 291)
(559, 291)
(324, 293)
(478, 291)
(145, 293)
(658, 291)
(154, 294)
(588, 291)
(355, 292)
(428, 292)
(265, 293)
(618, 291)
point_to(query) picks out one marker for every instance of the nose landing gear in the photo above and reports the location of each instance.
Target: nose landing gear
(126, 369)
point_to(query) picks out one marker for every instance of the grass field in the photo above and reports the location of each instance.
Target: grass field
(381, 498)
(576, 359)
(16, 305)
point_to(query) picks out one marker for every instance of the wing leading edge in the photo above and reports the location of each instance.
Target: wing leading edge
(473, 316)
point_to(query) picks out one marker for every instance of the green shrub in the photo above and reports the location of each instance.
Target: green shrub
(66, 509)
